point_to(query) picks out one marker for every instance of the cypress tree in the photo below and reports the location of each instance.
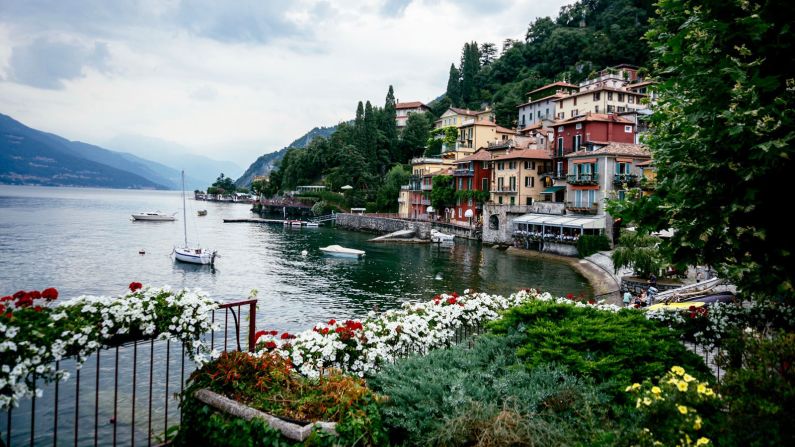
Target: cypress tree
(454, 86)
(470, 64)
(389, 124)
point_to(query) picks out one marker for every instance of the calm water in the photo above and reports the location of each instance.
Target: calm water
(82, 241)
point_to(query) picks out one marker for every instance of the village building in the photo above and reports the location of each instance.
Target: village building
(404, 109)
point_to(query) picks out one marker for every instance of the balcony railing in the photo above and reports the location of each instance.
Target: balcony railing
(582, 208)
(464, 172)
(425, 187)
(583, 179)
(630, 180)
(425, 202)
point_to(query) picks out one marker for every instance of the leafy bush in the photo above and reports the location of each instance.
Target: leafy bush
(589, 244)
(461, 396)
(268, 383)
(610, 347)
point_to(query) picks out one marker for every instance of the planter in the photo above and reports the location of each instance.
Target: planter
(289, 430)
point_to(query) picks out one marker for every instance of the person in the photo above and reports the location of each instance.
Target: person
(627, 298)
(641, 300)
(652, 280)
(651, 292)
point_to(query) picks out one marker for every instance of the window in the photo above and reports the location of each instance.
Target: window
(532, 182)
(546, 113)
(526, 164)
(527, 182)
(609, 96)
(501, 166)
(621, 194)
(627, 129)
(460, 183)
(620, 97)
(512, 183)
(560, 146)
(469, 183)
(485, 165)
(596, 96)
(577, 142)
(560, 128)
(513, 200)
(529, 201)
(511, 165)
(533, 165)
(499, 200)
(523, 117)
(459, 213)
(575, 101)
(561, 115)
(559, 171)
(630, 99)
(574, 113)
(469, 201)
(500, 183)
(596, 109)
(622, 168)
(578, 126)
(484, 186)
(621, 109)
(539, 114)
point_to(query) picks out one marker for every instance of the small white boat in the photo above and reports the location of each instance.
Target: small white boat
(195, 255)
(437, 236)
(201, 212)
(336, 250)
(154, 216)
(312, 224)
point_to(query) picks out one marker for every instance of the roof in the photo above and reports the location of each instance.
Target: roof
(479, 123)
(479, 155)
(554, 84)
(595, 117)
(466, 111)
(410, 105)
(646, 163)
(640, 84)
(552, 220)
(535, 154)
(556, 95)
(504, 129)
(600, 89)
(625, 149)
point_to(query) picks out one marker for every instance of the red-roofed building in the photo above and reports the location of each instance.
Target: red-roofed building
(404, 109)
(472, 173)
(541, 103)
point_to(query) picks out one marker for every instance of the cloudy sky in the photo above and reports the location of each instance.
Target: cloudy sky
(232, 79)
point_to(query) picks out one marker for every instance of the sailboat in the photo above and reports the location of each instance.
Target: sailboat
(187, 253)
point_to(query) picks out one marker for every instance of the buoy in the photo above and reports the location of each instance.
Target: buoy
(304, 253)
(142, 252)
(438, 277)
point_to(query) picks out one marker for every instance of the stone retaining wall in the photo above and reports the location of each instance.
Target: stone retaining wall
(381, 225)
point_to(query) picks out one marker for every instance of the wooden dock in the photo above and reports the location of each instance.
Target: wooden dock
(255, 220)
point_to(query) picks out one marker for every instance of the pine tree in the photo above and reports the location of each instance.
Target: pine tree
(488, 52)
(454, 86)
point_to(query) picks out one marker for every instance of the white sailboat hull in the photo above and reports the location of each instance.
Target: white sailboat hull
(336, 250)
(194, 256)
(155, 217)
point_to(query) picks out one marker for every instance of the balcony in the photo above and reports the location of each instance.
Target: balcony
(505, 190)
(426, 187)
(464, 172)
(619, 180)
(582, 208)
(583, 179)
(425, 201)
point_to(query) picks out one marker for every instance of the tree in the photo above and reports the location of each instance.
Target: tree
(414, 136)
(454, 86)
(442, 192)
(723, 139)
(488, 52)
(470, 64)
(640, 252)
(225, 184)
(386, 198)
(388, 124)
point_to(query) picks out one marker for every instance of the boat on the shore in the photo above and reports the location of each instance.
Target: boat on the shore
(337, 250)
(438, 236)
(154, 216)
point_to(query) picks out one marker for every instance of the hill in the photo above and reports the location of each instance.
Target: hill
(267, 162)
(31, 157)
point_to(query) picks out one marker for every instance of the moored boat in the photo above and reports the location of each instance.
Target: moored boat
(337, 250)
(155, 216)
(202, 212)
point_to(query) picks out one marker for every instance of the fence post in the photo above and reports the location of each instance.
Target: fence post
(252, 328)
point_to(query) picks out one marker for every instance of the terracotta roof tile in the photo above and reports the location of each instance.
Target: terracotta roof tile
(594, 117)
(480, 155)
(410, 105)
(620, 149)
(504, 129)
(535, 154)
(554, 84)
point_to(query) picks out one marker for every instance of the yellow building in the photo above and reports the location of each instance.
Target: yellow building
(648, 179)
(516, 176)
(613, 90)
(457, 117)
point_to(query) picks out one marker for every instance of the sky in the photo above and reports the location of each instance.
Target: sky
(232, 80)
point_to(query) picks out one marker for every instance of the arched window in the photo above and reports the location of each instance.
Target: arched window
(494, 222)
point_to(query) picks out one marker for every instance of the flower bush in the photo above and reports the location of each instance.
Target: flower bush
(361, 346)
(36, 333)
(672, 409)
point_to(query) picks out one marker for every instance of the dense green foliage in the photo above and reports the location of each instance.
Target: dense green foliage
(722, 138)
(616, 348)
(386, 198)
(586, 36)
(222, 185)
(640, 252)
(463, 395)
(443, 192)
(589, 244)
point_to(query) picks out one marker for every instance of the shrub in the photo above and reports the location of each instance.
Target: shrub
(462, 395)
(589, 244)
(614, 347)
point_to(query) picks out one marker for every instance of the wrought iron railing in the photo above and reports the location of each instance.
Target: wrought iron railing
(583, 179)
(630, 180)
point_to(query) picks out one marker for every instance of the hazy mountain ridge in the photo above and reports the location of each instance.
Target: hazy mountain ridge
(31, 157)
(264, 164)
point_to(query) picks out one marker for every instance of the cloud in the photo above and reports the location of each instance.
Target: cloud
(204, 93)
(394, 7)
(249, 21)
(47, 64)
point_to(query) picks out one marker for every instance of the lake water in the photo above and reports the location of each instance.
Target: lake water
(82, 241)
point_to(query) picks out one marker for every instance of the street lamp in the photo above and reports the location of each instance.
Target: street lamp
(469, 214)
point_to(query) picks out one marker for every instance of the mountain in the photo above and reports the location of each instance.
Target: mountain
(31, 157)
(200, 171)
(266, 163)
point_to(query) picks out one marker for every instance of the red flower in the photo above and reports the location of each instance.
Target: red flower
(270, 345)
(324, 331)
(35, 294)
(274, 333)
(570, 296)
(6, 298)
(135, 286)
(38, 308)
(25, 301)
(49, 294)
(286, 336)
(19, 294)
(451, 300)
(259, 334)
(592, 301)
(332, 322)
(2, 308)
(455, 294)
(691, 308)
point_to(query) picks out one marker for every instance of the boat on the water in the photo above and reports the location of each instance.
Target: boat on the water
(201, 212)
(337, 250)
(438, 236)
(188, 253)
(155, 216)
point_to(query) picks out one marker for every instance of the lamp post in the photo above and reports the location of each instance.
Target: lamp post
(469, 214)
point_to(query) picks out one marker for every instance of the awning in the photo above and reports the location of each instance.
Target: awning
(549, 220)
(577, 161)
(552, 189)
(625, 160)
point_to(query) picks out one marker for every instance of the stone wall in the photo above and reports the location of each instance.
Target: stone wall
(381, 225)
(637, 285)
(458, 231)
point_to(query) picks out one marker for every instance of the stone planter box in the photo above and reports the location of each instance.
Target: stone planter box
(289, 430)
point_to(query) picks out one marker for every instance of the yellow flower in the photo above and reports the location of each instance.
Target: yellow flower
(637, 403)
(709, 392)
(678, 370)
(682, 386)
(702, 441)
(697, 423)
(689, 378)
(682, 409)
(701, 388)
(656, 390)
(632, 387)
(646, 401)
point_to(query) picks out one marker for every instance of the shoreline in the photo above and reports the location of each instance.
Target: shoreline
(601, 282)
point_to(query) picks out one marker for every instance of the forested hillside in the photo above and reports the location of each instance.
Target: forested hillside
(369, 153)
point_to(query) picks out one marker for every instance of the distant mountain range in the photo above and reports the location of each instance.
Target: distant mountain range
(32, 157)
(266, 163)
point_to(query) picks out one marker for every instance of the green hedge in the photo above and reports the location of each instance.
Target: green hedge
(590, 244)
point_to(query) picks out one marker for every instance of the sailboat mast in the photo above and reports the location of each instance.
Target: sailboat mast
(184, 213)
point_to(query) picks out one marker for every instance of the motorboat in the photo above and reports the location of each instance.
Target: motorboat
(337, 250)
(155, 216)
(188, 253)
(312, 224)
(438, 236)
(202, 212)
(292, 223)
